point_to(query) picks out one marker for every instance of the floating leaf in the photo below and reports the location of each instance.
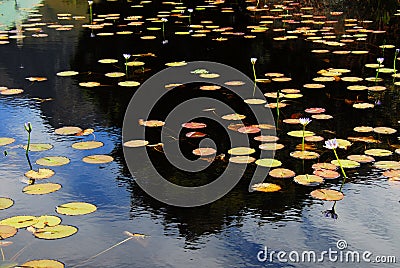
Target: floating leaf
(42, 173)
(369, 139)
(268, 162)
(5, 202)
(135, 143)
(46, 220)
(282, 173)
(194, 125)
(6, 141)
(391, 173)
(76, 208)
(266, 138)
(108, 61)
(308, 180)
(299, 133)
(327, 194)
(7, 231)
(346, 163)
(361, 158)
(68, 130)
(87, 145)
(304, 155)
(387, 165)
(271, 146)
(43, 264)
(176, 63)
(195, 134)
(378, 152)
(242, 159)
(363, 105)
(204, 151)
(19, 221)
(266, 187)
(233, 117)
(327, 173)
(324, 166)
(98, 159)
(314, 138)
(363, 129)
(89, 84)
(67, 73)
(314, 110)
(39, 147)
(385, 130)
(151, 123)
(241, 151)
(129, 84)
(11, 91)
(55, 232)
(85, 132)
(255, 101)
(41, 188)
(115, 74)
(52, 161)
(249, 130)
(343, 144)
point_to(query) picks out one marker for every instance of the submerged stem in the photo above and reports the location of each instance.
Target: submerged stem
(27, 150)
(341, 167)
(2, 254)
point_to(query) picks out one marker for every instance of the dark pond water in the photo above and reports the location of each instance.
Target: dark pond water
(231, 231)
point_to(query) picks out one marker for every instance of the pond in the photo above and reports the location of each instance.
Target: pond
(316, 54)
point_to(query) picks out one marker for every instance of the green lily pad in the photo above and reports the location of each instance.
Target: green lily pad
(299, 133)
(6, 141)
(378, 152)
(41, 188)
(387, 165)
(76, 208)
(55, 232)
(87, 145)
(346, 163)
(39, 147)
(268, 162)
(52, 161)
(6, 202)
(19, 221)
(241, 151)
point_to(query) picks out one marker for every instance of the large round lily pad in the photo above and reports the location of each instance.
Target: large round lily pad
(304, 155)
(7, 231)
(282, 173)
(6, 202)
(55, 232)
(52, 161)
(19, 221)
(68, 130)
(6, 141)
(76, 208)
(135, 143)
(299, 133)
(308, 180)
(39, 147)
(204, 151)
(87, 145)
(327, 194)
(346, 163)
(43, 263)
(47, 220)
(266, 187)
(387, 165)
(241, 151)
(378, 152)
(242, 159)
(42, 173)
(268, 162)
(41, 188)
(98, 159)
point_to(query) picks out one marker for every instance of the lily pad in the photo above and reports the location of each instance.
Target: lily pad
(195, 134)
(128, 84)
(115, 74)
(98, 159)
(67, 73)
(151, 123)
(242, 159)
(308, 180)
(266, 187)
(43, 263)
(282, 173)
(87, 145)
(255, 101)
(76, 208)
(6, 141)
(387, 165)
(327, 194)
(233, 117)
(241, 151)
(384, 130)
(324, 166)
(42, 173)
(19, 221)
(68, 130)
(6, 202)
(7, 231)
(204, 151)
(52, 161)
(135, 143)
(249, 130)
(11, 91)
(266, 138)
(346, 163)
(194, 125)
(327, 173)
(361, 158)
(378, 152)
(299, 133)
(363, 129)
(268, 162)
(391, 173)
(39, 147)
(271, 146)
(55, 232)
(47, 220)
(304, 155)
(41, 188)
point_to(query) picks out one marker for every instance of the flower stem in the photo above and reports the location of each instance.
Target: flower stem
(255, 78)
(341, 167)
(277, 109)
(27, 150)
(377, 72)
(302, 142)
(2, 254)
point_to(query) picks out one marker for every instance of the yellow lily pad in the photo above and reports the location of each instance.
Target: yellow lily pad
(41, 188)
(67, 73)
(204, 151)
(89, 84)
(304, 155)
(6, 202)
(52, 161)
(43, 263)
(76, 208)
(255, 101)
(363, 129)
(42, 173)
(385, 130)
(87, 145)
(242, 159)
(107, 61)
(233, 117)
(327, 194)
(346, 163)
(7, 231)
(68, 130)
(343, 144)
(19, 221)
(47, 220)
(308, 180)
(361, 158)
(129, 84)
(39, 147)
(135, 143)
(266, 187)
(378, 152)
(299, 133)
(115, 74)
(241, 151)
(6, 141)
(387, 165)
(268, 162)
(176, 63)
(11, 91)
(272, 146)
(282, 173)
(135, 63)
(363, 105)
(55, 232)
(98, 159)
